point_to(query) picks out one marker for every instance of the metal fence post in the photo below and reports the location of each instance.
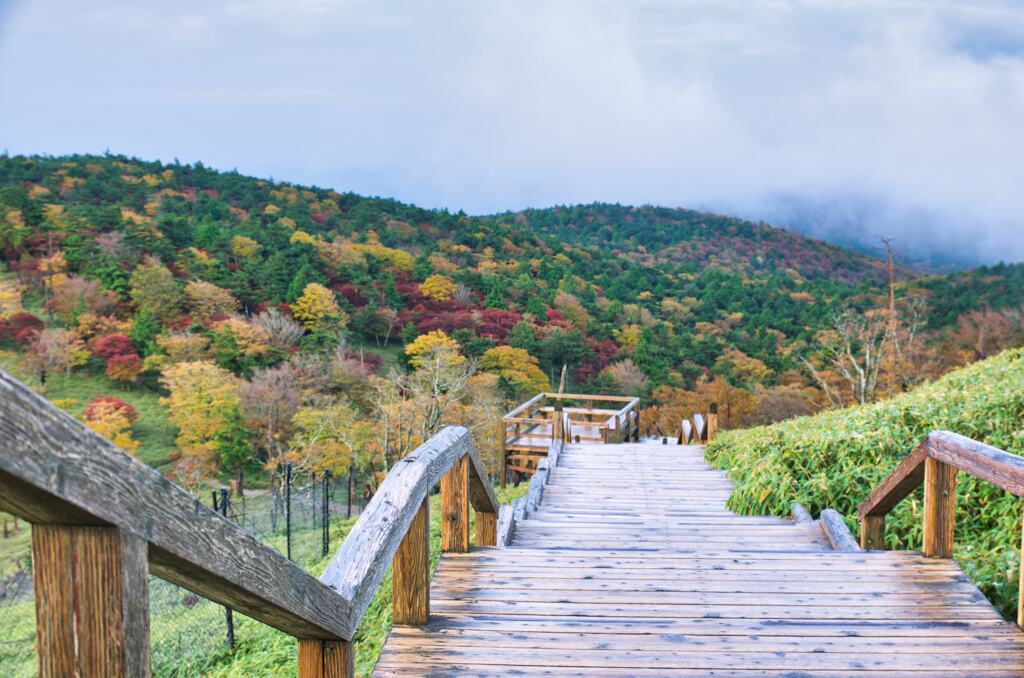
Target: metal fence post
(326, 501)
(288, 505)
(348, 512)
(229, 618)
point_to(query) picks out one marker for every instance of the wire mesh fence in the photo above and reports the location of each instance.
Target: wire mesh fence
(303, 516)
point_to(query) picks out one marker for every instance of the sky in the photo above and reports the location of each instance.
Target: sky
(851, 119)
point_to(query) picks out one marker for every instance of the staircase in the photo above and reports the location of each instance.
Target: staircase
(632, 566)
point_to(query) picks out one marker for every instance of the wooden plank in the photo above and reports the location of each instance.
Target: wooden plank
(455, 508)
(504, 528)
(529, 403)
(92, 601)
(577, 396)
(939, 507)
(325, 659)
(410, 571)
(903, 479)
(54, 470)
(481, 492)
(536, 489)
(800, 515)
(357, 568)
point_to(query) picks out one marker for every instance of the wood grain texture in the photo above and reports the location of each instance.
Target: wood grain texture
(837, 532)
(325, 659)
(92, 614)
(485, 529)
(939, 508)
(872, 533)
(358, 566)
(481, 492)
(455, 508)
(410, 572)
(54, 470)
(712, 426)
(988, 463)
(504, 527)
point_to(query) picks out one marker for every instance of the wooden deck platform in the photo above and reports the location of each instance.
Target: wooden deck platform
(633, 566)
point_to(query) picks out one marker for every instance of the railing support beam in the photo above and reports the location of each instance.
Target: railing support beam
(325, 659)
(939, 504)
(91, 594)
(410, 572)
(485, 528)
(455, 508)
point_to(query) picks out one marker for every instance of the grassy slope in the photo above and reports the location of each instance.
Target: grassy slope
(835, 458)
(154, 433)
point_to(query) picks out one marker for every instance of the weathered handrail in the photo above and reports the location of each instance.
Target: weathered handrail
(525, 428)
(395, 528)
(935, 462)
(624, 424)
(103, 520)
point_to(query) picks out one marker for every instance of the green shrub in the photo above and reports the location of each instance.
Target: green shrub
(834, 459)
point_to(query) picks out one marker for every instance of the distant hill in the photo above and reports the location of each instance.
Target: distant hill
(688, 240)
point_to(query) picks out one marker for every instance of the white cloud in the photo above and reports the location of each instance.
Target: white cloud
(916, 105)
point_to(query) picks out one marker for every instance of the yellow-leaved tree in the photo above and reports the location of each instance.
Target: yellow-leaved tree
(327, 437)
(244, 247)
(202, 403)
(113, 423)
(426, 347)
(438, 287)
(10, 298)
(517, 370)
(317, 309)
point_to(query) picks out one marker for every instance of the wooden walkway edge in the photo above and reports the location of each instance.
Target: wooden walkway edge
(633, 566)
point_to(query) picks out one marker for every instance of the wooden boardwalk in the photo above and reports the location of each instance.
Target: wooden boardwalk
(633, 566)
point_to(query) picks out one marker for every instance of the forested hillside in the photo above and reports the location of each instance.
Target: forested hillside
(232, 323)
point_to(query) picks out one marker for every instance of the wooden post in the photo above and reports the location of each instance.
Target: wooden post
(485, 529)
(557, 432)
(455, 508)
(712, 424)
(939, 503)
(504, 453)
(872, 533)
(92, 601)
(325, 659)
(410, 572)
(1020, 585)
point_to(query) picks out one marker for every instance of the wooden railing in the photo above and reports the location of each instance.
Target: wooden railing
(528, 427)
(935, 463)
(699, 429)
(103, 521)
(395, 529)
